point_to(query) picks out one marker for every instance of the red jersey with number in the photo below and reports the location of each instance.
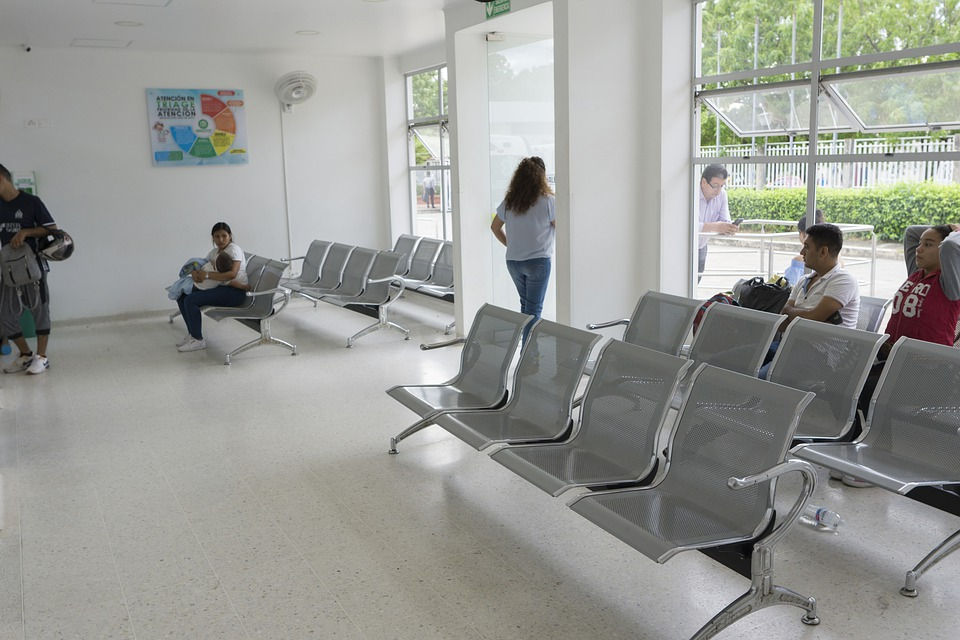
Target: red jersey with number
(922, 311)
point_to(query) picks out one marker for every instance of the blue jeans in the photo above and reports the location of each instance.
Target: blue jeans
(768, 359)
(531, 278)
(222, 296)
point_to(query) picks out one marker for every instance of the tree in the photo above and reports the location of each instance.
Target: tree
(746, 34)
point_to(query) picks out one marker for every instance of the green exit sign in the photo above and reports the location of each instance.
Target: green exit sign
(497, 8)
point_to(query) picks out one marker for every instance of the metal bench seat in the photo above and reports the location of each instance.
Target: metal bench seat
(489, 350)
(541, 405)
(733, 338)
(353, 277)
(422, 262)
(911, 441)
(405, 245)
(833, 362)
(724, 455)
(660, 321)
(440, 283)
(872, 311)
(623, 411)
(310, 267)
(265, 300)
(380, 289)
(331, 272)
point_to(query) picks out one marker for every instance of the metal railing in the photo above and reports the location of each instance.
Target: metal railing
(870, 173)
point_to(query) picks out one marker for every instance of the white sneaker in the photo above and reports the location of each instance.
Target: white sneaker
(182, 341)
(192, 345)
(38, 366)
(18, 365)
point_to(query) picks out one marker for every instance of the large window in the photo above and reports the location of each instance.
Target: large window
(429, 153)
(852, 108)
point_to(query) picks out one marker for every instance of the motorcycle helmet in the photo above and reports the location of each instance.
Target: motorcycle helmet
(56, 246)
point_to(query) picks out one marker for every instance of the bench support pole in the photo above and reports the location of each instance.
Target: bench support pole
(941, 551)
(409, 431)
(265, 338)
(382, 323)
(762, 594)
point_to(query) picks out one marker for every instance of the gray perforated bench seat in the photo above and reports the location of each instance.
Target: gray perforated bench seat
(911, 442)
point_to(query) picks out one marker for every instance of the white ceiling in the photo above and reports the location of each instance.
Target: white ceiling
(347, 27)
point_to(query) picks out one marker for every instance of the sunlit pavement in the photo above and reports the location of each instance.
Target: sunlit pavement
(890, 269)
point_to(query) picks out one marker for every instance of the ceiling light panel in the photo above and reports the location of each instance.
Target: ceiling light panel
(100, 43)
(136, 3)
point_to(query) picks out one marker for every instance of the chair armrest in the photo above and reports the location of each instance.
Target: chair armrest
(604, 325)
(292, 259)
(439, 345)
(281, 290)
(809, 484)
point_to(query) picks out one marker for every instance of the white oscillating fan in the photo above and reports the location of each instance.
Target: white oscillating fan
(295, 87)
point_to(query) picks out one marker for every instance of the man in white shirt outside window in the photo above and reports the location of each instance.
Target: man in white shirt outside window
(714, 213)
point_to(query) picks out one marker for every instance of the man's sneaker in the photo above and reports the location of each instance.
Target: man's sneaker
(38, 366)
(18, 365)
(836, 475)
(182, 341)
(192, 345)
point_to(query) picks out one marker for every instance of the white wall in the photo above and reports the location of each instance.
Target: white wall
(135, 223)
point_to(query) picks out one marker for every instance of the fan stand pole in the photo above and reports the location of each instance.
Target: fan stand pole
(286, 190)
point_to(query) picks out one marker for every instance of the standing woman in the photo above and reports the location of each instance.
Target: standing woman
(525, 225)
(231, 294)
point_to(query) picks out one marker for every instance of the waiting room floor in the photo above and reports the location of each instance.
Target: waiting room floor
(153, 494)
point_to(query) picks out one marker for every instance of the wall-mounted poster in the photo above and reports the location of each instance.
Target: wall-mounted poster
(197, 126)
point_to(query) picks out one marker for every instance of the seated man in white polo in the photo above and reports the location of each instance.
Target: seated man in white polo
(829, 293)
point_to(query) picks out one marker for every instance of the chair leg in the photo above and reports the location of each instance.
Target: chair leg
(762, 594)
(450, 327)
(941, 551)
(265, 338)
(409, 431)
(172, 316)
(382, 323)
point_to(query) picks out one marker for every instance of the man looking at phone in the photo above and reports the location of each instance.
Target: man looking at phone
(714, 214)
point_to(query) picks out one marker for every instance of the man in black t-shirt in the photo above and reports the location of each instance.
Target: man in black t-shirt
(24, 218)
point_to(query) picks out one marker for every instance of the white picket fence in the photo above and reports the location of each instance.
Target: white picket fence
(835, 174)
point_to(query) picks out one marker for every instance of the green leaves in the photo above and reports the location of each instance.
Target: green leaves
(890, 209)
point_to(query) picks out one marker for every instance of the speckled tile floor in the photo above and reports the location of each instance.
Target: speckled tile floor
(153, 494)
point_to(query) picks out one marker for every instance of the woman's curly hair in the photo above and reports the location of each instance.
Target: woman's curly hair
(529, 182)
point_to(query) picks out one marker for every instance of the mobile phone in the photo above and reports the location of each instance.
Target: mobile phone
(738, 221)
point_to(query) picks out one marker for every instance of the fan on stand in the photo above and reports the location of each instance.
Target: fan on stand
(294, 88)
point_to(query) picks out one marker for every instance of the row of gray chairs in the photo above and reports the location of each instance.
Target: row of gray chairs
(428, 268)
(745, 422)
(355, 278)
(909, 446)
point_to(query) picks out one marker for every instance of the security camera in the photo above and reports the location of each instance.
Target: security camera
(27, 48)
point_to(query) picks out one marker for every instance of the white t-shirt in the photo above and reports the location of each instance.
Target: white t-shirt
(837, 284)
(531, 234)
(211, 266)
(236, 253)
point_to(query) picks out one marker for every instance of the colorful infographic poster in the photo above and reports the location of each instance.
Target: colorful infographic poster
(197, 126)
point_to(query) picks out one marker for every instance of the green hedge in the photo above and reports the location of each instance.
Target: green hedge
(890, 209)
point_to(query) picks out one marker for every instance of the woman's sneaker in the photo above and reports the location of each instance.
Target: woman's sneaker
(192, 345)
(38, 366)
(18, 365)
(182, 341)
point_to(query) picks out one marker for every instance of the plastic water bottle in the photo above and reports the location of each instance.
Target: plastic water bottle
(821, 517)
